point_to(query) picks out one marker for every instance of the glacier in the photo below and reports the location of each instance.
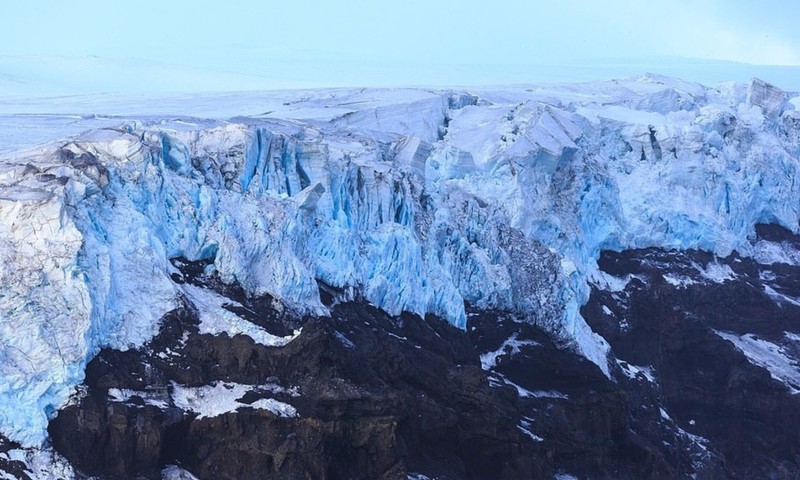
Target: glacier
(415, 200)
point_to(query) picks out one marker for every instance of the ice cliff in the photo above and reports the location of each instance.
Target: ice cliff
(412, 200)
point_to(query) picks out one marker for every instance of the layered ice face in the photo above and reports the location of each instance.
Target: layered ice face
(418, 203)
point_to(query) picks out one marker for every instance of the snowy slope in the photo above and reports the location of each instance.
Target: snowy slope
(416, 200)
(232, 70)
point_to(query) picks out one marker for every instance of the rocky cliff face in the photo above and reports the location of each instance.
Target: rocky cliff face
(356, 395)
(362, 395)
(717, 337)
(704, 386)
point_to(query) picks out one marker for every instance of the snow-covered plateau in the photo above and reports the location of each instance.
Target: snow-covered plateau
(414, 200)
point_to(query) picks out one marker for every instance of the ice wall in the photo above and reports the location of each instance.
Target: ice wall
(502, 199)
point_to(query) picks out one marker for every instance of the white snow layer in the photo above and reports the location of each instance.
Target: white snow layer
(40, 464)
(173, 472)
(510, 347)
(421, 201)
(769, 356)
(156, 399)
(215, 319)
(769, 253)
(635, 372)
(223, 397)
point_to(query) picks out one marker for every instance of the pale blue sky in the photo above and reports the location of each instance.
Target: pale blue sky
(181, 45)
(409, 31)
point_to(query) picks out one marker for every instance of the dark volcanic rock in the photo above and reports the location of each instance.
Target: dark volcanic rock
(113, 439)
(376, 397)
(379, 397)
(588, 426)
(707, 385)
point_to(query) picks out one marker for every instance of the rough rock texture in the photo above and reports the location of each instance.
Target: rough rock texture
(584, 424)
(376, 397)
(384, 397)
(721, 349)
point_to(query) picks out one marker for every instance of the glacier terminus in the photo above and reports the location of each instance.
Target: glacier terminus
(430, 202)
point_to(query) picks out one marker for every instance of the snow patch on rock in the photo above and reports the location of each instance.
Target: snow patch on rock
(215, 319)
(510, 347)
(173, 472)
(769, 356)
(224, 397)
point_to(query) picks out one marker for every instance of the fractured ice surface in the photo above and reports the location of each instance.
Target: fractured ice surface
(415, 200)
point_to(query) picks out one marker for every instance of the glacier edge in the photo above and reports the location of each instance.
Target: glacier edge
(500, 199)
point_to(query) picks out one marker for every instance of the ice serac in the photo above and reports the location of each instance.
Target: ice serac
(770, 98)
(499, 199)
